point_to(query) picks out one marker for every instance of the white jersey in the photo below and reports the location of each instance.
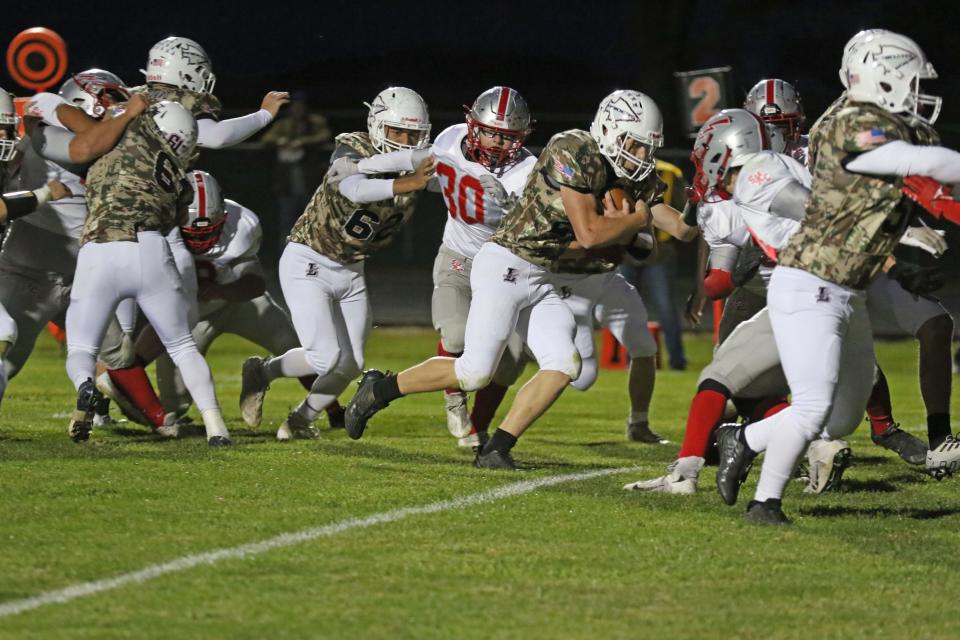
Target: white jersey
(760, 181)
(722, 225)
(474, 215)
(236, 248)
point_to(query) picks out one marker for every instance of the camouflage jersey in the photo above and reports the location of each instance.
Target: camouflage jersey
(537, 228)
(200, 105)
(139, 185)
(853, 221)
(342, 230)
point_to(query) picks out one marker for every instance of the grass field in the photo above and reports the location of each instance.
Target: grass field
(578, 559)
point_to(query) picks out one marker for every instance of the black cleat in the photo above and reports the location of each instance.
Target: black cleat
(219, 441)
(910, 448)
(736, 458)
(335, 417)
(640, 432)
(364, 404)
(766, 512)
(483, 438)
(494, 460)
(88, 397)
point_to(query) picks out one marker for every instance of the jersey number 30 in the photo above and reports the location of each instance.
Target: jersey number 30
(458, 192)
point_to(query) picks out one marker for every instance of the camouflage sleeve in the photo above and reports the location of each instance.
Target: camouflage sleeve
(345, 151)
(572, 162)
(860, 130)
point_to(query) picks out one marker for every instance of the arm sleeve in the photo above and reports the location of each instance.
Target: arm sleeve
(44, 106)
(53, 144)
(359, 189)
(899, 158)
(216, 135)
(387, 162)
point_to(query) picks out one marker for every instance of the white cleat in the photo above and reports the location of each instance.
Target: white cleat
(458, 420)
(826, 462)
(296, 426)
(170, 427)
(217, 434)
(253, 389)
(945, 459)
(682, 479)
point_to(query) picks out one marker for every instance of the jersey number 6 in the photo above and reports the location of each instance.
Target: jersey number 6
(457, 205)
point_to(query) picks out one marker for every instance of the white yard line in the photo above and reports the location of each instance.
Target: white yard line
(183, 563)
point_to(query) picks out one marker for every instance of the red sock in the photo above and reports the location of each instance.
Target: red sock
(485, 405)
(443, 352)
(134, 383)
(307, 381)
(879, 407)
(768, 407)
(706, 411)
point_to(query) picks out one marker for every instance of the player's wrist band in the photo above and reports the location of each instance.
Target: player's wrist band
(21, 203)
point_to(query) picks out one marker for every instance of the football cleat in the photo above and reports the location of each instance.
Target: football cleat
(945, 459)
(458, 419)
(296, 426)
(217, 434)
(364, 405)
(639, 431)
(170, 427)
(736, 458)
(476, 440)
(826, 461)
(910, 448)
(495, 460)
(766, 512)
(253, 388)
(82, 420)
(681, 479)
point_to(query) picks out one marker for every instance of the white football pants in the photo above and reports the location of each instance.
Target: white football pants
(823, 334)
(109, 272)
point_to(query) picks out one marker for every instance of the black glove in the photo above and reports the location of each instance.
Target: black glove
(915, 279)
(746, 268)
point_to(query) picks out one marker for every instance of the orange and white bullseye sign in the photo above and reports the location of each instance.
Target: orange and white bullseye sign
(703, 94)
(37, 58)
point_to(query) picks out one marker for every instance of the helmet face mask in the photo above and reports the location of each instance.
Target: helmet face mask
(206, 214)
(498, 122)
(725, 142)
(180, 62)
(9, 123)
(398, 108)
(626, 122)
(886, 69)
(94, 91)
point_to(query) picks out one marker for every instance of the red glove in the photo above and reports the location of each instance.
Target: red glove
(718, 284)
(933, 196)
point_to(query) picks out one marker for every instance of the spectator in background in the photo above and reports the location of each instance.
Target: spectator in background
(654, 279)
(299, 167)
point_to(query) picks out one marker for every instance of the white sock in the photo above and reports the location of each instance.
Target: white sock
(758, 434)
(292, 364)
(786, 445)
(213, 423)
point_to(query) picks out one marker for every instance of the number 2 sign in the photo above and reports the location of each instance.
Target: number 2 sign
(703, 93)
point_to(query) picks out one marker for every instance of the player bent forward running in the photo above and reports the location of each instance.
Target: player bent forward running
(136, 193)
(510, 278)
(321, 270)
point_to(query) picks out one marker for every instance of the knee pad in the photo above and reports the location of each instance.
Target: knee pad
(588, 375)
(322, 363)
(452, 339)
(471, 378)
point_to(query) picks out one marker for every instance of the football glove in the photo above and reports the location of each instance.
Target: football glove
(935, 197)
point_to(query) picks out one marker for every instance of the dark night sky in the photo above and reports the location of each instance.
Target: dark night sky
(563, 57)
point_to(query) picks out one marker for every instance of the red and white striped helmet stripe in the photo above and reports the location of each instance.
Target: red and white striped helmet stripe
(201, 195)
(503, 102)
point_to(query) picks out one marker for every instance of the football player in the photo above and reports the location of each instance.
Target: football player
(778, 103)
(321, 270)
(862, 157)
(510, 286)
(123, 252)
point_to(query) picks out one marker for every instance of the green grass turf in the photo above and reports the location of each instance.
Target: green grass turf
(579, 560)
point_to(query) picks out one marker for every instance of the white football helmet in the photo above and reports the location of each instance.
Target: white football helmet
(885, 69)
(182, 63)
(398, 108)
(177, 126)
(626, 122)
(724, 142)
(503, 111)
(206, 214)
(851, 45)
(94, 91)
(777, 102)
(9, 122)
